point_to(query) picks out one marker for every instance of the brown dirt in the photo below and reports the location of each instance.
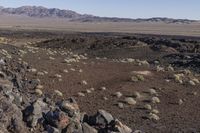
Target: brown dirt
(115, 76)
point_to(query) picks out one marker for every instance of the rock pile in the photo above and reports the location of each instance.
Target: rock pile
(23, 111)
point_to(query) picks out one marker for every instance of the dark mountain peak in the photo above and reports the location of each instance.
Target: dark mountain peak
(39, 11)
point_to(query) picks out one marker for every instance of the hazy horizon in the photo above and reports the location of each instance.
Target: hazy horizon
(184, 9)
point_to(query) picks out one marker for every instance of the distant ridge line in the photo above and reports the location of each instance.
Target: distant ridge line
(43, 12)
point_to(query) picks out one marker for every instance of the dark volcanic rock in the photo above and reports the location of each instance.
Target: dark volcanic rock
(10, 116)
(189, 61)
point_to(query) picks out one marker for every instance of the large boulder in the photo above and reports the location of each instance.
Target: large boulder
(10, 117)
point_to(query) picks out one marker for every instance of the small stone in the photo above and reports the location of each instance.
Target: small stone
(51, 129)
(40, 73)
(92, 89)
(160, 69)
(155, 100)
(105, 98)
(196, 81)
(121, 128)
(147, 107)
(58, 93)
(81, 94)
(5, 85)
(130, 60)
(103, 88)
(88, 129)
(134, 79)
(140, 77)
(152, 91)
(138, 131)
(58, 76)
(72, 69)
(33, 70)
(154, 117)
(84, 82)
(103, 118)
(38, 92)
(39, 87)
(130, 101)
(192, 83)
(170, 68)
(70, 107)
(65, 71)
(51, 58)
(88, 91)
(80, 70)
(120, 105)
(180, 101)
(194, 93)
(118, 94)
(155, 111)
(57, 119)
(167, 80)
(45, 72)
(136, 94)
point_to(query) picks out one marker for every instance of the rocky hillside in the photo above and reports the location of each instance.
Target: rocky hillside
(33, 11)
(42, 12)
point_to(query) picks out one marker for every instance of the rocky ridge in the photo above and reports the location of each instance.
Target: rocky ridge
(24, 111)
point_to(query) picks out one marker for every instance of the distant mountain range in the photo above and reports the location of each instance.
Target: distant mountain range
(42, 12)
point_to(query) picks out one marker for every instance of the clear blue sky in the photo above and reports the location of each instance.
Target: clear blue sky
(120, 8)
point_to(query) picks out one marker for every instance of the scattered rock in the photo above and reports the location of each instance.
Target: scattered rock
(147, 107)
(40, 87)
(152, 91)
(81, 94)
(33, 70)
(170, 68)
(118, 94)
(155, 100)
(195, 80)
(58, 93)
(38, 92)
(33, 113)
(136, 94)
(92, 89)
(180, 101)
(65, 71)
(88, 129)
(155, 111)
(88, 91)
(70, 107)
(153, 117)
(40, 74)
(58, 76)
(84, 82)
(120, 105)
(103, 88)
(130, 100)
(192, 83)
(51, 58)
(105, 98)
(103, 118)
(122, 128)
(194, 93)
